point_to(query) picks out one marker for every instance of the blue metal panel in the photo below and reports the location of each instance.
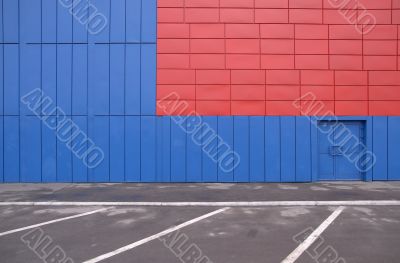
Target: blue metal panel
(79, 169)
(11, 149)
(241, 147)
(49, 154)
(64, 155)
(95, 33)
(393, 148)
(98, 79)
(30, 22)
(303, 149)
(380, 148)
(11, 21)
(11, 79)
(117, 23)
(1, 149)
(64, 78)
(178, 153)
(164, 149)
(99, 132)
(80, 34)
(272, 149)
(117, 79)
(132, 78)
(79, 80)
(132, 148)
(148, 79)
(31, 145)
(288, 149)
(49, 21)
(225, 132)
(30, 72)
(209, 166)
(257, 146)
(133, 20)
(194, 152)
(1, 79)
(64, 24)
(149, 20)
(148, 152)
(117, 149)
(49, 75)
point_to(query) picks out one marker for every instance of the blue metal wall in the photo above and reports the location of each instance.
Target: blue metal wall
(106, 84)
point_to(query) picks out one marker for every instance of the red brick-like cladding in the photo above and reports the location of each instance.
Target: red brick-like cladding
(255, 57)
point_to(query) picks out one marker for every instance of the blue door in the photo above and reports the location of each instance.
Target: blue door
(339, 143)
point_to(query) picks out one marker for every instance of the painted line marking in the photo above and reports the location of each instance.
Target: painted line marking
(150, 238)
(215, 204)
(51, 222)
(314, 235)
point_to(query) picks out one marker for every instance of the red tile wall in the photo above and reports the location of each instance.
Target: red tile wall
(255, 57)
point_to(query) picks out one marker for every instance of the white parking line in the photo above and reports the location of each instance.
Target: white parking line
(50, 222)
(215, 204)
(314, 235)
(150, 238)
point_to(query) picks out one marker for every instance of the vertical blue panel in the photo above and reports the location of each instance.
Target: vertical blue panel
(194, 152)
(225, 148)
(148, 79)
(30, 22)
(148, 151)
(164, 149)
(210, 166)
(99, 34)
(10, 21)
(117, 152)
(132, 75)
(49, 76)
(78, 22)
(79, 169)
(64, 24)
(257, 157)
(149, 20)
(272, 149)
(49, 21)
(117, 21)
(1, 79)
(288, 149)
(132, 148)
(133, 20)
(64, 77)
(64, 155)
(31, 170)
(178, 152)
(30, 71)
(241, 144)
(99, 133)
(393, 148)
(380, 144)
(2, 23)
(303, 149)
(11, 149)
(49, 154)
(117, 79)
(1, 149)
(99, 79)
(11, 80)
(79, 80)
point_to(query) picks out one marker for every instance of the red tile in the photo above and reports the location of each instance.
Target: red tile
(239, 61)
(248, 92)
(175, 76)
(311, 31)
(277, 46)
(382, 32)
(384, 77)
(271, 3)
(373, 4)
(282, 92)
(248, 108)
(233, 15)
(173, 30)
(346, 47)
(344, 17)
(249, 77)
(213, 76)
(278, 108)
(213, 92)
(346, 62)
(317, 108)
(344, 32)
(317, 77)
(351, 93)
(305, 3)
(277, 31)
(207, 61)
(177, 61)
(242, 31)
(305, 16)
(384, 108)
(207, 31)
(236, 3)
(244, 46)
(384, 92)
(289, 77)
(320, 92)
(277, 62)
(170, 15)
(380, 47)
(351, 108)
(312, 47)
(380, 62)
(351, 78)
(271, 16)
(186, 92)
(170, 3)
(213, 108)
(207, 45)
(173, 46)
(201, 15)
(173, 107)
(201, 3)
(380, 17)
(312, 62)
